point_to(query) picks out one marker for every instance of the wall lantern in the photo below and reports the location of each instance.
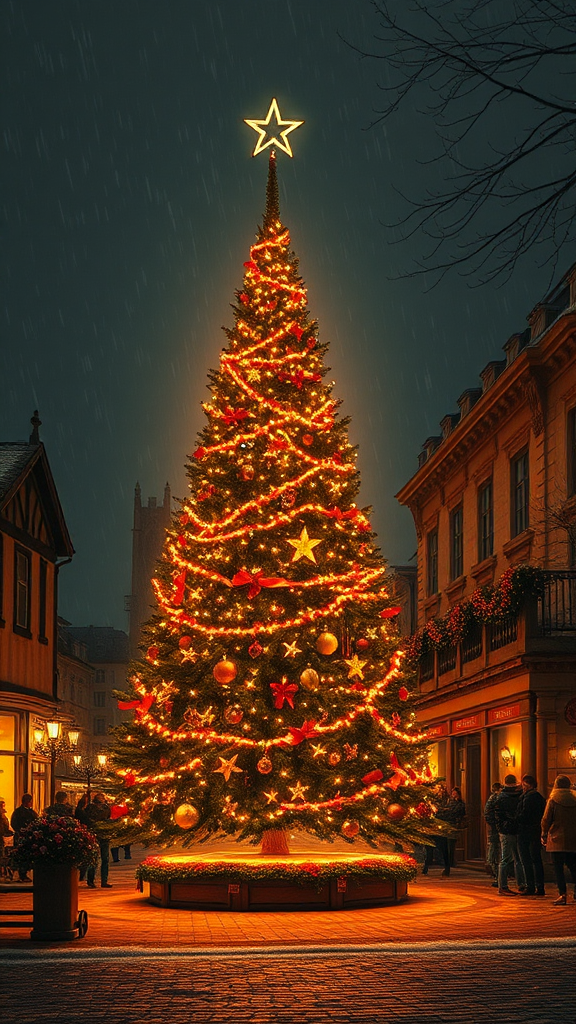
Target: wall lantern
(507, 756)
(572, 753)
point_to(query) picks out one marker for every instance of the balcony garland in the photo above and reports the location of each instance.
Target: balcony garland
(486, 605)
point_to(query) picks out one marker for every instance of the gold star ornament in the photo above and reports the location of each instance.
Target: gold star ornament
(267, 125)
(304, 547)
(298, 791)
(291, 649)
(227, 767)
(355, 666)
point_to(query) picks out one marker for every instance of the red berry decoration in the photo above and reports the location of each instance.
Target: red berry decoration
(255, 649)
(362, 644)
(185, 642)
(403, 693)
(423, 810)
(396, 812)
(129, 779)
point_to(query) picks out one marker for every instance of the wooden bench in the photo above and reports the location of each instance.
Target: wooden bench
(5, 888)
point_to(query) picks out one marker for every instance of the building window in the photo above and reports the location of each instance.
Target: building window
(100, 677)
(571, 451)
(432, 563)
(22, 587)
(456, 543)
(520, 493)
(485, 522)
(42, 604)
(99, 726)
(100, 698)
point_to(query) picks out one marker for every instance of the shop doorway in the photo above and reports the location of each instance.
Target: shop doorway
(468, 777)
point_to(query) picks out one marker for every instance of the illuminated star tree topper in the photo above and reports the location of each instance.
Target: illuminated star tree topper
(265, 126)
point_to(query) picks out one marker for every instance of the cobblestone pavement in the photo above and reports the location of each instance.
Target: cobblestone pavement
(525, 983)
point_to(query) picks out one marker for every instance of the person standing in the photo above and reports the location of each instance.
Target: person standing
(96, 814)
(528, 819)
(559, 834)
(505, 811)
(442, 801)
(23, 816)
(61, 806)
(457, 812)
(493, 844)
(81, 816)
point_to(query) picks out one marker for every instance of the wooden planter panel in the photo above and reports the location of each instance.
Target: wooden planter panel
(224, 894)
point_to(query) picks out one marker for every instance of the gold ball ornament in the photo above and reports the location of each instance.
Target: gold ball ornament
(334, 758)
(396, 812)
(233, 714)
(350, 829)
(326, 643)
(186, 816)
(224, 671)
(247, 472)
(310, 679)
(264, 765)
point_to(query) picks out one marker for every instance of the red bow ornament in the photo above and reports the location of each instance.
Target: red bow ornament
(306, 730)
(140, 706)
(283, 691)
(389, 613)
(336, 513)
(373, 777)
(255, 582)
(231, 415)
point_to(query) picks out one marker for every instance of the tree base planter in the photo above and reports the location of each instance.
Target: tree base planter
(244, 883)
(55, 903)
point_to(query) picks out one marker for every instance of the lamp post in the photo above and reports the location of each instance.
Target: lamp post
(89, 768)
(52, 742)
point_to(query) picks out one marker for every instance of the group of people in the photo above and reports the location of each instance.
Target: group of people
(520, 824)
(89, 812)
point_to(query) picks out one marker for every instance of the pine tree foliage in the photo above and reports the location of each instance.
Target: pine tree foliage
(272, 695)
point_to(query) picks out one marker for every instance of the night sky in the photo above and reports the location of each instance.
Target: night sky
(130, 200)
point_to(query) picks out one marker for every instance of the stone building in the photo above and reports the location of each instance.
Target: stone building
(34, 545)
(497, 488)
(150, 524)
(108, 653)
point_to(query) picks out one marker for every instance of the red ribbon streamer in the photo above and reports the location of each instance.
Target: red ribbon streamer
(179, 587)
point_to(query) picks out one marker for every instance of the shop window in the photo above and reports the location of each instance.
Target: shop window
(432, 563)
(456, 543)
(520, 493)
(485, 522)
(8, 745)
(22, 589)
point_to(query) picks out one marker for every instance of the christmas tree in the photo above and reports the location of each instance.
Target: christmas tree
(272, 694)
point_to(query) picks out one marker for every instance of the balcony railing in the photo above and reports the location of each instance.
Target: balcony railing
(557, 603)
(446, 660)
(427, 666)
(502, 633)
(472, 644)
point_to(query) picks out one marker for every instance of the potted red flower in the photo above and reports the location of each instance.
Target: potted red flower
(55, 847)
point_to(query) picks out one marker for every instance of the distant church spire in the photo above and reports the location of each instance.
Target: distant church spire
(36, 423)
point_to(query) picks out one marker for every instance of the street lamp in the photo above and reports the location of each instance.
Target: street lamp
(53, 744)
(89, 768)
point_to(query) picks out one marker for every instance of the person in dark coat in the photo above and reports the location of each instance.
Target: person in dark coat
(23, 816)
(505, 812)
(493, 844)
(442, 801)
(559, 834)
(528, 819)
(96, 813)
(82, 817)
(61, 806)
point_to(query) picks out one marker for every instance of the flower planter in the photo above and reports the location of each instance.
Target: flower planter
(55, 902)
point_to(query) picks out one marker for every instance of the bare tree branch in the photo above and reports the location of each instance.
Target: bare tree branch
(497, 77)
